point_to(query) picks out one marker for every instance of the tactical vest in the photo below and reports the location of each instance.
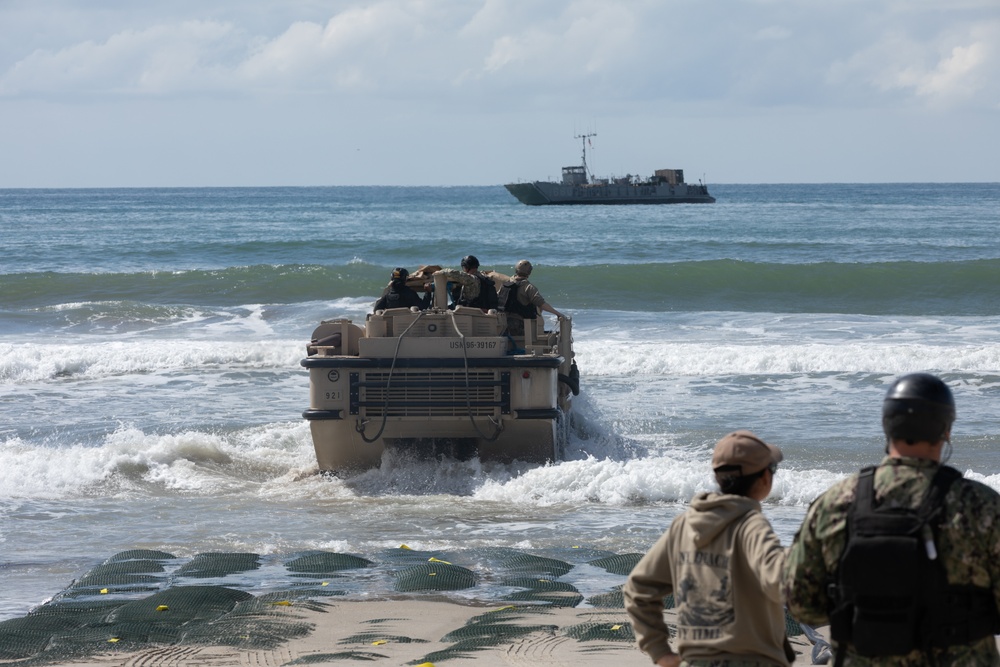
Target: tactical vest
(509, 302)
(891, 594)
(393, 300)
(487, 293)
(487, 298)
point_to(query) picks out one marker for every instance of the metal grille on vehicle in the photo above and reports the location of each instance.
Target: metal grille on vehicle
(430, 393)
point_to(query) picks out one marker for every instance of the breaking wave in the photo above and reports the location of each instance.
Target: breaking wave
(875, 288)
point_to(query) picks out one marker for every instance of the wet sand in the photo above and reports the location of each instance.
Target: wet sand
(422, 632)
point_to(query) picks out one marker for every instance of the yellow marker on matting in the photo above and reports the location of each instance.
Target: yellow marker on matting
(104, 591)
(615, 628)
(379, 642)
(113, 640)
(162, 607)
(283, 603)
(432, 559)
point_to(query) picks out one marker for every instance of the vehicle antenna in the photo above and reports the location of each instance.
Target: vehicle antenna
(583, 141)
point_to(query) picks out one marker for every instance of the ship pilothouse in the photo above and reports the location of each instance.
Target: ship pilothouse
(578, 174)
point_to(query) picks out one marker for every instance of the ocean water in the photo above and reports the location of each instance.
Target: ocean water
(151, 392)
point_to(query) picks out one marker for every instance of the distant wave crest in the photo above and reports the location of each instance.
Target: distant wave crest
(874, 288)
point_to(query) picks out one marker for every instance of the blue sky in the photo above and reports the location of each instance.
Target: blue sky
(95, 93)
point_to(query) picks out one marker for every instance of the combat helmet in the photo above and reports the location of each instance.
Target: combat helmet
(918, 407)
(400, 274)
(470, 262)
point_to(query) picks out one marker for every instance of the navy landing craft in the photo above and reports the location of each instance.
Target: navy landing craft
(666, 186)
(438, 381)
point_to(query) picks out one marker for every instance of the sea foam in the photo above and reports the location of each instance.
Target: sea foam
(22, 363)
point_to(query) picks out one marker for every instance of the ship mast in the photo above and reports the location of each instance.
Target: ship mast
(583, 141)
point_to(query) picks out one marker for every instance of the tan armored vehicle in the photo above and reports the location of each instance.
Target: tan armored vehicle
(439, 381)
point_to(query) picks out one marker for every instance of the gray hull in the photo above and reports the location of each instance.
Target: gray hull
(542, 193)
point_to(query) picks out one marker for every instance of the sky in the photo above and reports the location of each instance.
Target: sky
(119, 93)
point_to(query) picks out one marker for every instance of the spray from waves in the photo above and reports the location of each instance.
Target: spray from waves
(673, 478)
(599, 353)
(69, 323)
(603, 468)
(131, 318)
(405, 473)
(130, 461)
(597, 358)
(39, 362)
(590, 480)
(277, 462)
(669, 478)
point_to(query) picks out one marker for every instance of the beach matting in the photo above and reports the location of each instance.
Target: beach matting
(423, 632)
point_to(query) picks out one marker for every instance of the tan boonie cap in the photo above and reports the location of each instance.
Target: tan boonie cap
(744, 449)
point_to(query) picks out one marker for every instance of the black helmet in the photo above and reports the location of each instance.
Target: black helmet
(400, 273)
(470, 262)
(918, 407)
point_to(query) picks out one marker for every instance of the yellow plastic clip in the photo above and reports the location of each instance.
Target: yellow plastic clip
(325, 583)
(104, 591)
(282, 603)
(616, 628)
(432, 574)
(162, 607)
(379, 642)
(113, 640)
(432, 559)
(403, 546)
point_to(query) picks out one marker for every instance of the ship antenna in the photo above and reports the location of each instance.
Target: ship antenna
(583, 141)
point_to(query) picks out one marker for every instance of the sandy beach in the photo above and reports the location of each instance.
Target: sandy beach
(424, 632)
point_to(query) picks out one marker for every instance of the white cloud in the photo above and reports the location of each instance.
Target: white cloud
(734, 53)
(166, 58)
(337, 86)
(957, 74)
(515, 49)
(356, 48)
(956, 66)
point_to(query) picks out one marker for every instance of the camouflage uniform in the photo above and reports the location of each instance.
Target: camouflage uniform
(469, 284)
(968, 545)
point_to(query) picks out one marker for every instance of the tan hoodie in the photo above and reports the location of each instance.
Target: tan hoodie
(722, 562)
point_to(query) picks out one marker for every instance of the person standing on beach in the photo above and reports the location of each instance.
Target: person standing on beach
(722, 562)
(903, 559)
(521, 300)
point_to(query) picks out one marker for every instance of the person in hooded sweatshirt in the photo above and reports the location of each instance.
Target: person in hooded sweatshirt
(722, 562)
